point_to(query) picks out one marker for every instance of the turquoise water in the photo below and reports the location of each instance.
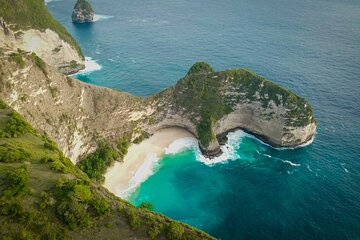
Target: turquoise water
(311, 47)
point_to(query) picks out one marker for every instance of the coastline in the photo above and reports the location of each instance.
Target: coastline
(123, 177)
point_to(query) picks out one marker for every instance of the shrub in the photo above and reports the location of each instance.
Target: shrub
(11, 154)
(175, 231)
(200, 67)
(50, 145)
(46, 200)
(39, 63)
(2, 105)
(47, 160)
(155, 231)
(17, 182)
(17, 126)
(18, 58)
(133, 219)
(146, 205)
(58, 167)
(95, 164)
(101, 206)
(142, 137)
(123, 145)
(13, 209)
(73, 214)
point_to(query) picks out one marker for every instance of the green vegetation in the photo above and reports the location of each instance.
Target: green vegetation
(39, 63)
(16, 126)
(201, 94)
(123, 144)
(201, 67)
(17, 182)
(28, 14)
(144, 135)
(175, 231)
(44, 196)
(133, 218)
(299, 111)
(84, 5)
(147, 205)
(101, 206)
(18, 58)
(96, 164)
(11, 154)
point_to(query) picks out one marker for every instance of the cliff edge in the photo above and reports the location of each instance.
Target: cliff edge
(28, 25)
(78, 115)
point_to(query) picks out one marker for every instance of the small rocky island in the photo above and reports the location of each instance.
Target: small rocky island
(82, 12)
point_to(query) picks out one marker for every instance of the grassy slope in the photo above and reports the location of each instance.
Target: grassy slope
(44, 196)
(32, 14)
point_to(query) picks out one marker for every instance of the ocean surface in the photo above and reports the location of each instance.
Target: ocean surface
(255, 192)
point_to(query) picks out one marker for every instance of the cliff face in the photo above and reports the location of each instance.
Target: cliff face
(77, 115)
(27, 25)
(82, 12)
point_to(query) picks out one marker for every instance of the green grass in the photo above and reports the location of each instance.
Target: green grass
(201, 94)
(45, 196)
(84, 5)
(32, 14)
(39, 63)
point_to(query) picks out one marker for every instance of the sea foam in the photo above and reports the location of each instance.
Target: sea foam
(98, 17)
(142, 174)
(91, 65)
(229, 150)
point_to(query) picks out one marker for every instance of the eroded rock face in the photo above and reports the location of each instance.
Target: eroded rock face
(46, 44)
(82, 12)
(206, 103)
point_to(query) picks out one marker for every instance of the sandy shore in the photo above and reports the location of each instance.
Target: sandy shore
(123, 176)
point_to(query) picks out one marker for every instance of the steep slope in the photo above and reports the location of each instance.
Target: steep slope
(44, 196)
(78, 116)
(29, 26)
(210, 103)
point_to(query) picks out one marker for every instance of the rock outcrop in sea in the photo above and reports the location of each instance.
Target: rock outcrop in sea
(82, 12)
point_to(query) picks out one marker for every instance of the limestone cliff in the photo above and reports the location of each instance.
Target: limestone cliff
(207, 103)
(27, 25)
(82, 12)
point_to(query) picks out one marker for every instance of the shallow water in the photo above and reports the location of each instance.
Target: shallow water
(311, 47)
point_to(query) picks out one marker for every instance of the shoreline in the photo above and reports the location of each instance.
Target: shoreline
(125, 176)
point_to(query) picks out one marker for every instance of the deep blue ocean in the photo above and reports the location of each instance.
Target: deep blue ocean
(309, 46)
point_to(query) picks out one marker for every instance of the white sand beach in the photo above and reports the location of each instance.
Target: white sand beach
(124, 176)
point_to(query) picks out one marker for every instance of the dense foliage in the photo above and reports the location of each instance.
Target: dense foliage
(96, 163)
(16, 126)
(201, 67)
(11, 154)
(44, 196)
